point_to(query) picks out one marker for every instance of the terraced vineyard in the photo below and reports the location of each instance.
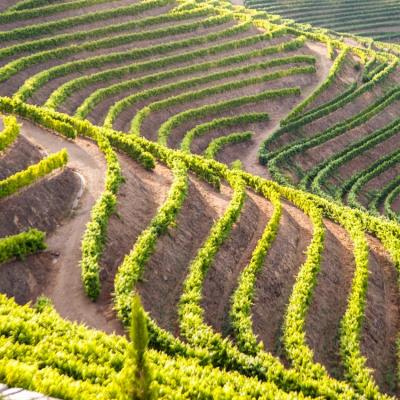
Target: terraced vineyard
(138, 141)
(368, 18)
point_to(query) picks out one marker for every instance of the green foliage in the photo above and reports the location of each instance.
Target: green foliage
(32, 84)
(93, 242)
(294, 335)
(218, 123)
(351, 323)
(340, 128)
(242, 299)
(9, 133)
(88, 105)
(47, 28)
(217, 144)
(166, 128)
(40, 351)
(333, 72)
(319, 174)
(11, 15)
(21, 245)
(359, 180)
(135, 377)
(340, 101)
(213, 350)
(24, 178)
(65, 38)
(40, 116)
(133, 264)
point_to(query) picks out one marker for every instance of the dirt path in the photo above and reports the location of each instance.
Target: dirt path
(65, 287)
(250, 161)
(237, 2)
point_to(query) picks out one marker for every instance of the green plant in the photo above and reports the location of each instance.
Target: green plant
(135, 377)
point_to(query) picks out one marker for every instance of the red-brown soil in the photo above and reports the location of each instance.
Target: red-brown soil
(329, 300)
(167, 269)
(19, 156)
(275, 282)
(42, 205)
(382, 322)
(231, 259)
(138, 199)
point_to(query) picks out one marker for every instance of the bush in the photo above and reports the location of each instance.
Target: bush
(9, 133)
(24, 178)
(21, 245)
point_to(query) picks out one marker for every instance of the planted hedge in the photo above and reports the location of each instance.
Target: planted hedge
(390, 199)
(265, 155)
(9, 133)
(242, 299)
(36, 81)
(218, 123)
(340, 128)
(217, 144)
(131, 269)
(265, 367)
(21, 15)
(48, 28)
(319, 174)
(22, 244)
(166, 128)
(24, 178)
(332, 74)
(209, 91)
(365, 176)
(351, 324)
(121, 105)
(66, 38)
(202, 93)
(59, 95)
(294, 334)
(67, 353)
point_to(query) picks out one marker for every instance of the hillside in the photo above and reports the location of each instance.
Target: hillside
(138, 142)
(367, 18)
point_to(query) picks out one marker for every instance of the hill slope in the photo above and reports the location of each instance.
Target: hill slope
(270, 291)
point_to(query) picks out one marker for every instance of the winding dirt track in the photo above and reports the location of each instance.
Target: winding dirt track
(65, 287)
(250, 162)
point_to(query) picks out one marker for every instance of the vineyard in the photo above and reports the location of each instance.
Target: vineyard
(198, 200)
(365, 18)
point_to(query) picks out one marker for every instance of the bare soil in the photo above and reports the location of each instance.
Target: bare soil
(138, 199)
(7, 3)
(13, 83)
(346, 76)
(42, 205)
(275, 282)
(329, 301)
(167, 269)
(396, 204)
(65, 14)
(382, 322)
(320, 153)
(19, 156)
(233, 256)
(25, 280)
